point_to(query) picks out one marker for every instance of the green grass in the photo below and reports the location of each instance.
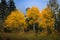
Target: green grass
(29, 36)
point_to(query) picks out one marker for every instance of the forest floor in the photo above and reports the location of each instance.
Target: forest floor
(29, 36)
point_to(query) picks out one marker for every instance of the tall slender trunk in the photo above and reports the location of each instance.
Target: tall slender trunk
(34, 27)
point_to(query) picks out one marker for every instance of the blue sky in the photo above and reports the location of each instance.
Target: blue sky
(23, 4)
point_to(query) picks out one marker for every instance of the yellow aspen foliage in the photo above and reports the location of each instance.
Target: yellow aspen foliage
(33, 14)
(47, 18)
(15, 19)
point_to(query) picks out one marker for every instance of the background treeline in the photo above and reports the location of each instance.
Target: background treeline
(47, 20)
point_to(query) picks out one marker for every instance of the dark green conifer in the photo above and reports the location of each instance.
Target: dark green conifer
(12, 5)
(53, 4)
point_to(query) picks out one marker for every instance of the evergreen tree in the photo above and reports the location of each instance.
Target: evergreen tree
(12, 5)
(1, 16)
(4, 8)
(3, 13)
(53, 4)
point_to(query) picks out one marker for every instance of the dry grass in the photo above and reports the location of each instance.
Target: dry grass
(28, 36)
